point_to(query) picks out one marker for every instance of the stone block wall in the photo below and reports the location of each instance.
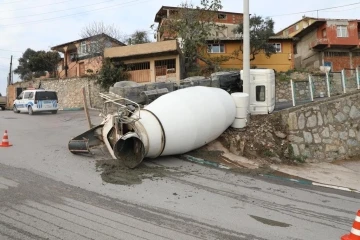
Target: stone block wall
(302, 90)
(327, 130)
(69, 91)
(316, 132)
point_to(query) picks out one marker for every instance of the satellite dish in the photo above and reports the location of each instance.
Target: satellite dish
(325, 69)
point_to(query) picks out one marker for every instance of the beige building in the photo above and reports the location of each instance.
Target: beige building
(80, 56)
(149, 62)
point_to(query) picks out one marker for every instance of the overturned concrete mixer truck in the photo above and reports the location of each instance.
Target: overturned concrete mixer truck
(177, 122)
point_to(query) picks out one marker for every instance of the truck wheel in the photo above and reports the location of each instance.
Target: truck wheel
(30, 110)
(2, 108)
(15, 109)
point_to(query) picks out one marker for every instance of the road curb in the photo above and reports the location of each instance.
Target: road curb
(72, 109)
(294, 180)
(309, 182)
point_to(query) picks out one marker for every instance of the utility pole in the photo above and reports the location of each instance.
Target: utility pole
(246, 45)
(10, 75)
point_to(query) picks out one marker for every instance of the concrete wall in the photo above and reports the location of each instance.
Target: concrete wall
(69, 91)
(306, 57)
(316, 132)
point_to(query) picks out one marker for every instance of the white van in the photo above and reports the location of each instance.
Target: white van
(36, 100)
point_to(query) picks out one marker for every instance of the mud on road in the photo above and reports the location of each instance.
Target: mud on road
(115, 172)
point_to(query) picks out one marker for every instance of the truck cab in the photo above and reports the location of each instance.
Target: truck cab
(2, 102)
(262, 91)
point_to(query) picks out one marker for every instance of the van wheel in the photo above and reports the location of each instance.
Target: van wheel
(30, 110)
(15, 109)
(54, 112)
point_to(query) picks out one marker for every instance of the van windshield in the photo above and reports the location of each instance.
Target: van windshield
(46, 96)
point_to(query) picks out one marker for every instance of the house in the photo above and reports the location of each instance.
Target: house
(296, 27)
(227, 42)
(282, 60)
(229, 19)
(149, 62)
(328, 42)
(83, 54)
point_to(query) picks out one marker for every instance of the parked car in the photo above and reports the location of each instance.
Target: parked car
(36, 100)
(2, 102)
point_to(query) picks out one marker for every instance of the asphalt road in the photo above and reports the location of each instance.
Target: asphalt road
(48, 193)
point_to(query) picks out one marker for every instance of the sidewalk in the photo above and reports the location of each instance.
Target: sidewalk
(342, 175)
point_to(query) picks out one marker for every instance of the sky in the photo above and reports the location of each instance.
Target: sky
(41, 24)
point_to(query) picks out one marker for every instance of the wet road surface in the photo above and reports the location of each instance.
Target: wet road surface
(48, 193)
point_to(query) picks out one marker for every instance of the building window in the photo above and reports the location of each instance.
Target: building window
(260, 93)
(297, 27)
(324, 32)
(164, 67)
(336, 54)
(137, 66)
(295, 48)
(277, 47)
(222, 16)
(94, 47)
(342, 31)
(83, 48)
(216, 48)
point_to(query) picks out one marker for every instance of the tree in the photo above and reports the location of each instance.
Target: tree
(260, 32)
(95, 32)
(109, 74)
(194, 26)
(138, 37)
(37, 63)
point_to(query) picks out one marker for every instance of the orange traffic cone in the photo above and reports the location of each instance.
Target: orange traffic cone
(5, 140)
(355, 230)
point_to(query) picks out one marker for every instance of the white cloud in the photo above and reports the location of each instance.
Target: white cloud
(41, 24)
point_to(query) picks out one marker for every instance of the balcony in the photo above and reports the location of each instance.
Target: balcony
(319, 43)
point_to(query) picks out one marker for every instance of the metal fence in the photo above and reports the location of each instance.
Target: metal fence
(334, 83)
(301, 92)
(351, 79)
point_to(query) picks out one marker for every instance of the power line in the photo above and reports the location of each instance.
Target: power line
(316, 10)
(58, 10)
(345, 10)
(20, 9)
(9, 50)
(79, 13)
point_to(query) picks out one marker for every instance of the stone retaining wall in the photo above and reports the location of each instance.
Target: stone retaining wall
(320, 131)
(69, 91)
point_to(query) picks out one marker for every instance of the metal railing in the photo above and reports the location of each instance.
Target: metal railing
(126, 108)
(335, 83)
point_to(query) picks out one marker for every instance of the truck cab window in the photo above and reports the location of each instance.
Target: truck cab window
(26, 95)
(20, 96)
(260, 93)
